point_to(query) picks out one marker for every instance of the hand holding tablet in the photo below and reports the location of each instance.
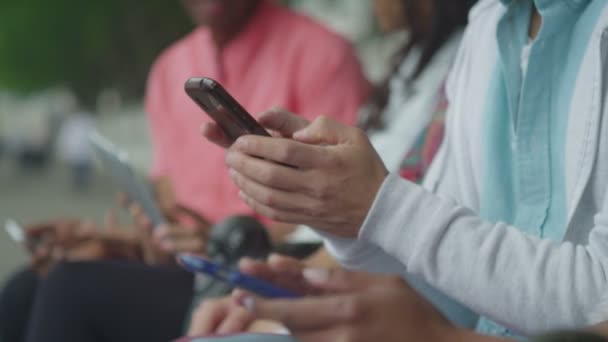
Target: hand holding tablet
(117, 164)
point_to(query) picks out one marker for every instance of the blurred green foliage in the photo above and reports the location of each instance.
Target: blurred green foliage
(85, 45)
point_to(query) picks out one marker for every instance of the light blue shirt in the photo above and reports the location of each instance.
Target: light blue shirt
(526, 119)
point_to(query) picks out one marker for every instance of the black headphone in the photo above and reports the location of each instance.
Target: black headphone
(237, 237)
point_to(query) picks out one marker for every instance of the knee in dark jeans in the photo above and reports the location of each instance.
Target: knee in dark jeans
(16, 299)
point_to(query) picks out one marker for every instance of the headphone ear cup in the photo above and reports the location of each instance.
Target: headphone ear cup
(237, 237)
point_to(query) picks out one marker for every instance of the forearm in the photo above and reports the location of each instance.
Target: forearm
(362, 256)
(530, 284)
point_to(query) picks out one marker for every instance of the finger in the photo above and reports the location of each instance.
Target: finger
(286, 265)
(66, 231)
(87, 228)
(58, 254)
(238, 320)
(239, 296)
(256, 268)
(84, 232)
(266, 327)
(39, 229)
(135, 210)
(164, 193)
(212, 132)
(324, 130)
(47, 228)
(281, 121)
(280, 150)
(306, 313)
(286, 278)
(340, 280)
(292, 201)
(209, 316)
(276, 214)
(267, 172)
(289, 273)
(123, 199)
(201, 221)
(139, 217)
(41, 252)
(174, 232)
(164, 231)
(86, 251)
(111, 220)
(185, 245)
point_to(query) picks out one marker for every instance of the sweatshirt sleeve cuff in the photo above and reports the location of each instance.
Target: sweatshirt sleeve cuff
(399, 213)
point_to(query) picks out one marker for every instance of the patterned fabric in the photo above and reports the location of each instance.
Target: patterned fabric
(419, 158)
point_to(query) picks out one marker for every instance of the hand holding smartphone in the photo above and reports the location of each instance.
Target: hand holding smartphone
(237, 279)
(230, 116)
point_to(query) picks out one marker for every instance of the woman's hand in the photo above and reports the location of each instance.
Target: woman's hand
(337, 305)
(356, 307)
(326, 177)
(160, 244)
(176, 239)
(228, 316)
(74, 240)
(277, 121)
(46, 241)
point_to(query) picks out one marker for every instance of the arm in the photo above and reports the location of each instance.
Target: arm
(530, 284)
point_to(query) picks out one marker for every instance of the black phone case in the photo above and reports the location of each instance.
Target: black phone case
(234, 120)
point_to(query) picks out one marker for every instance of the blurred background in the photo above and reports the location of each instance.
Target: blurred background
(67, 67)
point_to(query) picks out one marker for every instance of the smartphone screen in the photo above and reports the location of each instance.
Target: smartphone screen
(234, 120)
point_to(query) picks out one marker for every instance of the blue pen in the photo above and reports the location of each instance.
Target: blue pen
(265, 289)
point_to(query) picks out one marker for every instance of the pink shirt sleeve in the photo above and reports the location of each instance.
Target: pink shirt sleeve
(332, 84)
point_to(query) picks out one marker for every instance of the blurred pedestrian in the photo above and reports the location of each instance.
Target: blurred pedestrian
(74, 149)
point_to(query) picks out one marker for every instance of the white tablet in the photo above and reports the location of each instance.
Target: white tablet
(117, 164)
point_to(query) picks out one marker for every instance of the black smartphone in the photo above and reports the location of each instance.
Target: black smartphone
(223, 108)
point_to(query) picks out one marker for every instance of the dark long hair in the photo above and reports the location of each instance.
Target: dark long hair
(427, 33)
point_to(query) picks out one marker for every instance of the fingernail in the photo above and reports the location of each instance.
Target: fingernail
(242, 142)
(316, 275)
(232, 173)
(229, 157)
(248, 303)
(242, 196)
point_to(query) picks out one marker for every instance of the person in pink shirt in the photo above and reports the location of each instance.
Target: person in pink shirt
(274, 58)
(265, 55)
